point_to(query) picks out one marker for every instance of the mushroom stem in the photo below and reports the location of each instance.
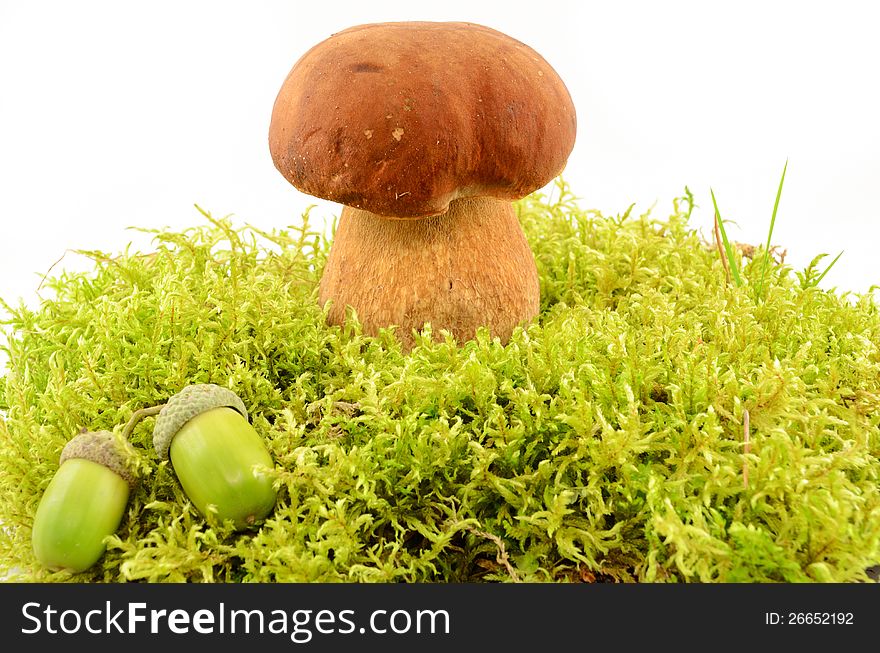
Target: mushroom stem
(466, 268)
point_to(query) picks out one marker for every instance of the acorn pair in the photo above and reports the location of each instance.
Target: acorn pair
(218, 457)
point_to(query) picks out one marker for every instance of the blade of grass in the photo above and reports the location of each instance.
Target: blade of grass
(720, 247)
(822, 276)
(727, 248)
(770, 234)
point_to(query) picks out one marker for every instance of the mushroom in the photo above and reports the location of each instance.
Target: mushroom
(425, 132)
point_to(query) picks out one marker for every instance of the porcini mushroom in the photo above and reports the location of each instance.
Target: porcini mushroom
(425, 132)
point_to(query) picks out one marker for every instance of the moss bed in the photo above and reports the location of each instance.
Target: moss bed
(605, 442)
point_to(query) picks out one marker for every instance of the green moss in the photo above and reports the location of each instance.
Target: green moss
(605, 441)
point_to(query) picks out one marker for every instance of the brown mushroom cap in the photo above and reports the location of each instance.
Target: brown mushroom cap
(399, 119)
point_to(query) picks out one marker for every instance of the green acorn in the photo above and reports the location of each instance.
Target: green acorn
(218, 456)
(84, 502)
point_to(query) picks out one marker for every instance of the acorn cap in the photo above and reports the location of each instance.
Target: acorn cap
(400, 119)
(193, 400)
(103, 448)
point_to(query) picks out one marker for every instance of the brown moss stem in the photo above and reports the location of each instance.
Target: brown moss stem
(137, 416)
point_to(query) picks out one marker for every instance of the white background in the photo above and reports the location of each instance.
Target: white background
(115, 114)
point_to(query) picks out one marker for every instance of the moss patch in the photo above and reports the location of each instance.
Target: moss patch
(605, 442)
